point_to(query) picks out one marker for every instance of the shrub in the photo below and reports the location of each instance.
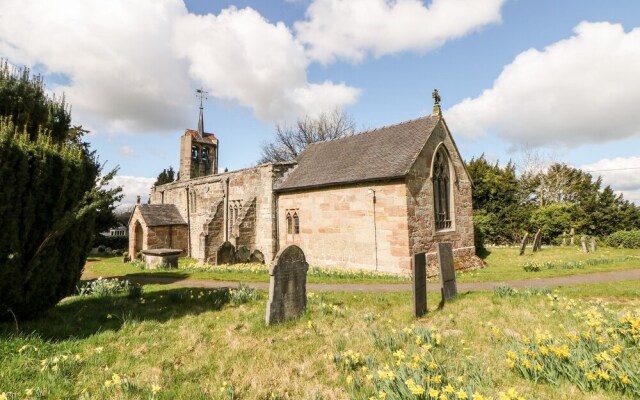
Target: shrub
(243, 294)
(114, 242)
(110, 287)
(626, 239)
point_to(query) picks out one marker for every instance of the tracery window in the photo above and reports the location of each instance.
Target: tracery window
(442, 191)
(289, 224)
(296, 224)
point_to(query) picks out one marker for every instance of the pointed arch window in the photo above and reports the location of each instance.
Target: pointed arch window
(442, 190)
(289, 224)
(296, 224)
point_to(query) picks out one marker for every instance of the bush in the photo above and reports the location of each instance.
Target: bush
(114, 242)
(626, 239)
(110, 287)
(243, 294)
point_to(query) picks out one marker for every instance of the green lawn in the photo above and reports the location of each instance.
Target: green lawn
(175, 343)
(504, 264)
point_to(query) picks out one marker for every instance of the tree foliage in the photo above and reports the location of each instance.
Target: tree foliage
(289, 141)
(167, 175)
(51, 194)
(555, 199)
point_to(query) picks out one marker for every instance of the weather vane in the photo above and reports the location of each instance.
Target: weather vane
(201, 94)
(436, 96)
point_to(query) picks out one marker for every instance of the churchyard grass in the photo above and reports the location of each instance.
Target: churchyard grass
(190, 343)
(504, 264)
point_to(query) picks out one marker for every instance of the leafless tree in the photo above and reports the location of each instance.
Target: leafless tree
(290, 140)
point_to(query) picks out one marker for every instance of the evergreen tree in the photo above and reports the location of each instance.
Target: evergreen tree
(166, 176)
(52, 191)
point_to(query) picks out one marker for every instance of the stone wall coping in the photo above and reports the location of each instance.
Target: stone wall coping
(162, 252)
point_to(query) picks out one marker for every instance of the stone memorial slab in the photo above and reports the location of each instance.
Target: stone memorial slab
(564, 239)
(226, 254)
(257, 257)
(583, 240)
(419, 284)
(594, 245)
(572, 234)
(536, 240)
(243, 254)
(287, 285)
(161, 258)
(523, 244)
(447, 271)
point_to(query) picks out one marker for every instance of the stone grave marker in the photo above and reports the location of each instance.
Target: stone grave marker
(161, 258)
(572, 234)
(564, 239)
(447, 271)
(419, 284)
(594, 245)
(583, 240)
(287, 285)
(257, 257)
(523, 244)
(226, 254)
(536, 240)
(243, 254)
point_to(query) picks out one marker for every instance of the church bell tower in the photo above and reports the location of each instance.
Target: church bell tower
(198, 149)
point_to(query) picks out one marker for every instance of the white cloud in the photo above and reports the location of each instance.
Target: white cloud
(116, 55)
(622, 174)
(578, 90)
(133, 186)
(126, 151)
(243, 58)
(350, 29)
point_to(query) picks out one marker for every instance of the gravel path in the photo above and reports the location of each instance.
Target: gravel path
(600, 277)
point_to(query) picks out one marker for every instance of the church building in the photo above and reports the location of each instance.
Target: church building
(367, 201)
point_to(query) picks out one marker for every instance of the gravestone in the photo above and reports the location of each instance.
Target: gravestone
(447, 271)
(419, 284)
(243, 254)
(564, 238)
(287, 285)
(226, 254)
(572, 233)
(257, 257)
(523, 244)
(583, 240)
(593, 244)
(161, 258)
(536, 240)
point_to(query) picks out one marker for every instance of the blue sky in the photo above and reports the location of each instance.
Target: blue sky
(556, 79)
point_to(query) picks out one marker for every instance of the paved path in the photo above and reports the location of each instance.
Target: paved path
(600, 277)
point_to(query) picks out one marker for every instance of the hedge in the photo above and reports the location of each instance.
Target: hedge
(626, 239)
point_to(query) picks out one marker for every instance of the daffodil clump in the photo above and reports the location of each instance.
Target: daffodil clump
(602, 350)
(414, 366)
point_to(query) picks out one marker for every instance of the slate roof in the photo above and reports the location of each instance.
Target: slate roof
(206, 138)
(380, 154)
(161, 214)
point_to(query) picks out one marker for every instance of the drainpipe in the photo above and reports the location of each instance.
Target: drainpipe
(226, 210)
(188, 225)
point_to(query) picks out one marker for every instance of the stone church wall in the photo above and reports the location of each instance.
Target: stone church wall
(155, 237)
(201, 201)
(337, 226)
(422, 233)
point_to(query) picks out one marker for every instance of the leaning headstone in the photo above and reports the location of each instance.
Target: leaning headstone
(594, 246)
(257, 257)
(572, 234)
(287, 285)
(536, 241)
(419, 284)
(583, 240)
(447, 271)
(226, 254)
(523, 244)
(243, 254)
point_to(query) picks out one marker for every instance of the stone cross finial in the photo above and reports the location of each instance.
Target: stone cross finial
(436, 105)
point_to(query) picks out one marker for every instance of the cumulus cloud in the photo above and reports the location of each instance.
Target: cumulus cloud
(242, 57)
(132, 66)
(133, 186)
(351, 29)
(116, 55)
(578, 90)
(622, 174)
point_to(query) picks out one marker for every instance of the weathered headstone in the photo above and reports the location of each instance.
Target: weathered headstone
(257, 257)
(583, 240)
(523, 244)
(536, 240)
(447, 271)
(287, 286)
(572, 234)
(226, 254)
(564, 238)
(243, 254)
(594, 246)
(419, 284)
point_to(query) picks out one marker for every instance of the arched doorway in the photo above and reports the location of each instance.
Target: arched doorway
(138, 240)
